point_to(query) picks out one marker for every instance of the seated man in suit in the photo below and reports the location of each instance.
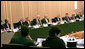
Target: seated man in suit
(45, 20)
(36, 21)
(7, 24)
(63, 18)
(53, 20)
(67, 17)
(57, 18)
(25, 38)
(73, 16)
(53, 41)
(77, 16)
(27, 22)
(21, 22)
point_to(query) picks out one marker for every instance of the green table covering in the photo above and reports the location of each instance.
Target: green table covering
(65, 29)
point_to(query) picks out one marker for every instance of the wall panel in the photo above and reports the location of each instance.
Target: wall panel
(14, 10)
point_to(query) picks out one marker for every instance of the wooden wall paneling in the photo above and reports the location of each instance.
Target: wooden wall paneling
(2, 12)
(61, 8)
(25, 9)
(45, 8)
(49, 10)
(29, 10)
(83, 7)
(8, 10)
(65, 8)
(19, 12)
(53, 9)
(32, 10)
(80, 6)
(35, 9)
(22, 3)
(13, 10)
(11, 15)
(59, 5)
(56, 9)
(69, 8)
(5, 16)
(41, 9)
(72, 8)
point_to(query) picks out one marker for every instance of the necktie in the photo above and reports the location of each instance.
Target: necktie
(21, 23)
(58, 19)
(37, 21)
(8, 26)
(46, 20)
(28, 22)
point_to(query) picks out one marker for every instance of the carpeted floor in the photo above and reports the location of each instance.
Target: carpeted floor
(6, 37)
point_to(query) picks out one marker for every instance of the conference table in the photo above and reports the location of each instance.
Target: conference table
(80, 42)
(42, 33)
(78, 39)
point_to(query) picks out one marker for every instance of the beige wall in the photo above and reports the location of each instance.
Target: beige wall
(81, 6)
(16, 9)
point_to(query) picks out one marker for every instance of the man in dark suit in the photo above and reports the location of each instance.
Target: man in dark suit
(36, 20)
(67, 17)
(53, 41)
(7, 25)
(21, 22)
(45, 20)
(2, 27)
(63, 18)
(27, 22)
(53, 20)
(77, 16)
(57, 18)
(25, 38)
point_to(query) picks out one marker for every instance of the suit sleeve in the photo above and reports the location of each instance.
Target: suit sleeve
(62, 44)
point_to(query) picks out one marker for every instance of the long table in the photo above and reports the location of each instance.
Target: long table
(65, 29)
(80, 42)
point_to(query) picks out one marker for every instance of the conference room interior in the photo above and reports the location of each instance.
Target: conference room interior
(42, 24)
